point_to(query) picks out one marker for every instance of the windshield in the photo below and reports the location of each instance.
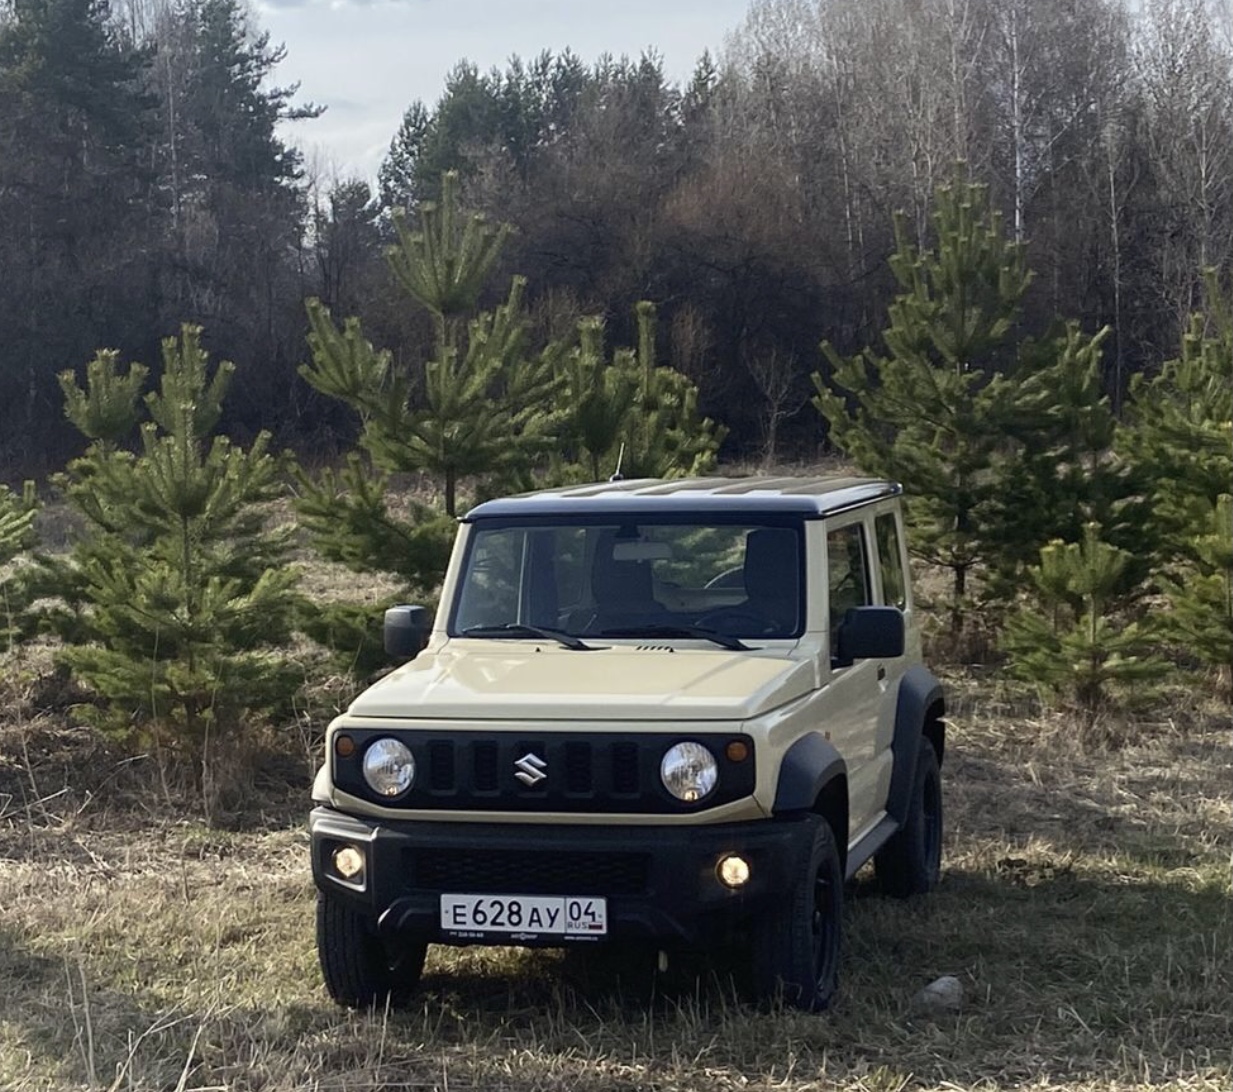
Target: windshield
(610, 578)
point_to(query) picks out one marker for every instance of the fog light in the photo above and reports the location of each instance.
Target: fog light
(733, 871)
(348, 862)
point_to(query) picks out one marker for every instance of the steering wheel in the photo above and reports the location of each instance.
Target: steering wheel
(733, 621)
(729, 578)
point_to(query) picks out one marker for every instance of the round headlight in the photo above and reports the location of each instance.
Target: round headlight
(389, 768)
(689, 771)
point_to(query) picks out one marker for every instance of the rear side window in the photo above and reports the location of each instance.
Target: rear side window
(847, 571)
(890, 557)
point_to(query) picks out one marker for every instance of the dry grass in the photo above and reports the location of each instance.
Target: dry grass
(1085, 907)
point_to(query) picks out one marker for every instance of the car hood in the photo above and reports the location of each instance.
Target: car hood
(516, 680)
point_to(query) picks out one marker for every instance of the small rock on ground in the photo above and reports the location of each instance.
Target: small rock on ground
(943, 994)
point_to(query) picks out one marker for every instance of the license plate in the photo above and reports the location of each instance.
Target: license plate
(524, 917)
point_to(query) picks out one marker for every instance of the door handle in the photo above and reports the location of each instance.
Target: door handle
(881, 672)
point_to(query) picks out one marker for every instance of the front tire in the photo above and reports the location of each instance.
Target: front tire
(359, 968)
(911, 861)
(797, 945)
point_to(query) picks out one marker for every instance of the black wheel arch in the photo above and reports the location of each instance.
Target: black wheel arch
(813, 778)
(920, 712)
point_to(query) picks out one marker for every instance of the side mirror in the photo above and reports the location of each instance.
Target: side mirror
(406, 632)
(869, 633)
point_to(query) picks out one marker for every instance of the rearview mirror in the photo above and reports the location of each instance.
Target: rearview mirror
(641, 550)
(406, 631)
(869, 633)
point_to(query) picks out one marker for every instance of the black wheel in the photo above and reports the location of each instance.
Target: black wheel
(911, 862)
(359, 968)
(797, 945)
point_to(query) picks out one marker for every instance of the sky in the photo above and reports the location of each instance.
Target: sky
(368, 60)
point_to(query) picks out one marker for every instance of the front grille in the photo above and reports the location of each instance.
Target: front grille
(579, 776)
(498, 872)
(582, 772)
(465, 767)
(625, 767)
(440, 766)
(484, 768)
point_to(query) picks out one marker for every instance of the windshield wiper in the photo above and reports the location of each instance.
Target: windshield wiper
(521, 629)
(659, 630)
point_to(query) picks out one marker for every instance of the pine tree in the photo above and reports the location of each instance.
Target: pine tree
(1071, 640)
(481, 407)
(631, 411)
(396, 178)
(512, 117)
(1200, 594)
(347, 513)
(932, 413)
(16, 521)
(487, 409)
(177, 597)
(1053, 475)
(1177, 446)
(228, 113)
(665, 436)
(347, 251)
(230, 240)
(599, 395)
(106, 410)
(16, 535)
(75, 181)
(1178, 434)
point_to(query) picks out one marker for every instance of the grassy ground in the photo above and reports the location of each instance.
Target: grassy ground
(1085, 907)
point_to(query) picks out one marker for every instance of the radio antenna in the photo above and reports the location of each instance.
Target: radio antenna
(617, 475)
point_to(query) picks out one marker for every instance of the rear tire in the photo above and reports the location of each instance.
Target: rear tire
(359, 968)
(911, 862)
(797, 946)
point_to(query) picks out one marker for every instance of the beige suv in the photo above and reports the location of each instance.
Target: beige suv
(680, 713)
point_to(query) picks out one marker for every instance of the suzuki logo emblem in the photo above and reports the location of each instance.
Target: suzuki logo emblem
(531, 769)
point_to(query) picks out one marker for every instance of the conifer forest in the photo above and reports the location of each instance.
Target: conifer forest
(145, 182)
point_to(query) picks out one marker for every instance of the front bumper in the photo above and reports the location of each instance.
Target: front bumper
(660, 882)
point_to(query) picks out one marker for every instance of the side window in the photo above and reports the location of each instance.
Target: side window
(848, 571)
(890, 556)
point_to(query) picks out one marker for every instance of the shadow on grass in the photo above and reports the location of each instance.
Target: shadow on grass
(1068, 977)
(22, 969)
(599, 982)
(39, 995)
(1077, 964)
(1157, 803)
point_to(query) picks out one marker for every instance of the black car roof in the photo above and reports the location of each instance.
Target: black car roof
(809, 497)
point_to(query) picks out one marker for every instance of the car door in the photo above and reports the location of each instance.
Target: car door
(856, 690)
